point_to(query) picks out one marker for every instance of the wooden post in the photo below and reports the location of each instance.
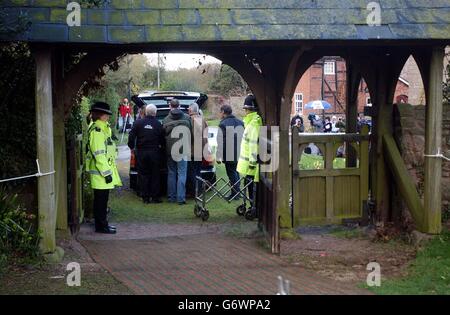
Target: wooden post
(329, 180)
(433, 143)
(351, 111)
(59, 143)
(44, 134)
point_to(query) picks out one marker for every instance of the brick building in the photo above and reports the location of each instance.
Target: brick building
(326, 80)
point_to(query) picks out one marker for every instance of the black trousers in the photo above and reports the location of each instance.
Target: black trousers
(251, 186)
(194, 170)
(101, 197)
(233, 176)
(149, 168)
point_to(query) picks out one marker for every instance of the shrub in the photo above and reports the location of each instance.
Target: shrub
(19, 240)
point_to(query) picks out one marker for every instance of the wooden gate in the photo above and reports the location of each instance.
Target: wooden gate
(332, 184)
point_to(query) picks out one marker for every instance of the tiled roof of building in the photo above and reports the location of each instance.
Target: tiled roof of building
(141, 21)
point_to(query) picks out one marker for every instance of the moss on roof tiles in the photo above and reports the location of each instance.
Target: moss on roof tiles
(124, 21)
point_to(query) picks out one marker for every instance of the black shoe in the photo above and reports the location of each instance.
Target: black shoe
(106, 230)
(146, 200)
(112, 227)
(182, 203)
(156, 201)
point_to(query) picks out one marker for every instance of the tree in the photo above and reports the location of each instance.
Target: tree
(128, 77)
(228, 82)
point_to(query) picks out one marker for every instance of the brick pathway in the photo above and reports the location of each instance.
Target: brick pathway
(204, 264)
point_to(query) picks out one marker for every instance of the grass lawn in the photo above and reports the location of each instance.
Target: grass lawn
(127, 207)
(428, 274)
(314, 162)
(213, 122)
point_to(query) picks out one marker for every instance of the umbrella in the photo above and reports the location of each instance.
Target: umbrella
(318, 105)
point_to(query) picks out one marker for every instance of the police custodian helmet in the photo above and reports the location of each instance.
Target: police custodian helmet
(101, 107)
(250, 103)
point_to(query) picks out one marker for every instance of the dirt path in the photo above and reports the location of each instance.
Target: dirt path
(345, 260)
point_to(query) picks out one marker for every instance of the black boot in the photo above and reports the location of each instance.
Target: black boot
(106, 230)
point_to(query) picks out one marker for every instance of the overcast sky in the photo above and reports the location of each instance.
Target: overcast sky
(176, 61)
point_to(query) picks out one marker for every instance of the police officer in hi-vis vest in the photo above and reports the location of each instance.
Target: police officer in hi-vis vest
(248, 160)
(101, 154)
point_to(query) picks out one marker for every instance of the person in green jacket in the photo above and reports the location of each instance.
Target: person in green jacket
(101, 154)
(248, 160)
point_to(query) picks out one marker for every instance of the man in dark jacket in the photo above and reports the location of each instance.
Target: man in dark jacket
(147, 138)
(229, 139)
(177, 129)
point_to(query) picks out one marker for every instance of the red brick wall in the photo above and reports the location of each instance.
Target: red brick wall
(335, 92)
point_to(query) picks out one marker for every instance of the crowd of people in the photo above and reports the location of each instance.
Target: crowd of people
(181, 139)
(327, 125)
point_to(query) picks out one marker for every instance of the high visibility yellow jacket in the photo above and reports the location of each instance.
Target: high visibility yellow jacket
(101, 154)
(248, 159)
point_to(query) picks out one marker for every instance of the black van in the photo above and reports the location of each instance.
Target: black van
(161, 100)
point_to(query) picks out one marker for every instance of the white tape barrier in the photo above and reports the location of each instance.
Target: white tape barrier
(38, 174)
(439, 155)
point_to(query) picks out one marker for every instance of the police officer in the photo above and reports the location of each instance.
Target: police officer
(101, 154)
(248, 160)
(147, 136)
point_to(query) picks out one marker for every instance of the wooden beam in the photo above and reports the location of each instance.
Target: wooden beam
(45, 154)
(351, 111)
(404, 182)
(380, 69)
(433, 143)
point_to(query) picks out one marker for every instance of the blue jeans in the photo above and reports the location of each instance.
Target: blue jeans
(176, 180)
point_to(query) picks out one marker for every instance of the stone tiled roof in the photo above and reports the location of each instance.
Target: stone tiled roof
(140, 21)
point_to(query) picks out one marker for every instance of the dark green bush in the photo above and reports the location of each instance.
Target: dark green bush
(19, 239)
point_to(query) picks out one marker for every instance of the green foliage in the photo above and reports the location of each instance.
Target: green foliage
(17, 108)
(19, 240)
(12, 24)
(229, 83)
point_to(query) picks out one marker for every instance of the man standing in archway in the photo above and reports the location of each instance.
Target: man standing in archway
(248, 160)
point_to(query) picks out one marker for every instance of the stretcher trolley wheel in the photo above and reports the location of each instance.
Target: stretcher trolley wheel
(198, 211)
(240, 210)
(250, 214)
(205, 215)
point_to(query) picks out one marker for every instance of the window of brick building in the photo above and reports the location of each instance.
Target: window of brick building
(329, 67)
(298, 97)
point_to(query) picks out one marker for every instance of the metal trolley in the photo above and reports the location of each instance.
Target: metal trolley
(221, 188)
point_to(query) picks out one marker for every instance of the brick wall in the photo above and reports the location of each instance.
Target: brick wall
(410, 136)
(334, 90)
